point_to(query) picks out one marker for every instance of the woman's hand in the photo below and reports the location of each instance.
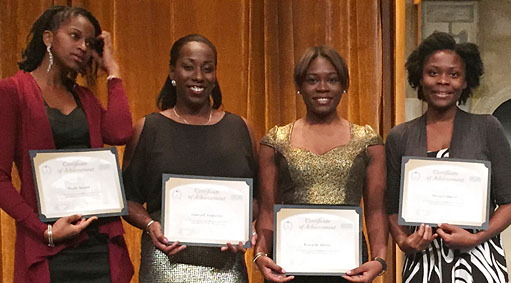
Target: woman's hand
(234, 249)
(162, 243)
(107, 61)
(364, 273)
(418, 241)
(271, 271)
(456, 238)
(69, 227)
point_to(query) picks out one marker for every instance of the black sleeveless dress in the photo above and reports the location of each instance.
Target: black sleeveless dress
(223, 149)
(87, 262)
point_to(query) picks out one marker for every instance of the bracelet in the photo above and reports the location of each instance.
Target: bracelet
(258, 255)
(111, 77)
(147, 226)
(383, 265)
(50, 237)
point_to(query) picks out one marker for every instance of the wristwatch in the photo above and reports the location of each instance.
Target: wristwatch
(383, 264)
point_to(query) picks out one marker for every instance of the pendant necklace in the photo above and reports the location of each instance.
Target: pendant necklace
(188, 123)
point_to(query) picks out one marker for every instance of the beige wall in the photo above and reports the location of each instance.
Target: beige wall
(495, 44)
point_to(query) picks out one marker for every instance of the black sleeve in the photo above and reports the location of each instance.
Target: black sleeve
(500, 157)
(134, 175)
(393, 156)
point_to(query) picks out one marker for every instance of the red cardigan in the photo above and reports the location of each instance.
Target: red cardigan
(25, 126)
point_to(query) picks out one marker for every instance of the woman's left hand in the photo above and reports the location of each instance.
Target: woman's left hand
(456, 238)
(364, 273)
(107, 60)
(234, 249)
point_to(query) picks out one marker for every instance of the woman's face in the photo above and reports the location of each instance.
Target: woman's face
(443, 79)
(194, 73)
(71, 43)
(321, 89)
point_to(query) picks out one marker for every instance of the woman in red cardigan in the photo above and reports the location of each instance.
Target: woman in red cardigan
(41, 107)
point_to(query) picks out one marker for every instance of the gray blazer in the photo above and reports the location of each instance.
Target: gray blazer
(479, 137)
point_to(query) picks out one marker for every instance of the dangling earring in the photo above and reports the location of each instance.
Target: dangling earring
(173, 82)
(50, 58)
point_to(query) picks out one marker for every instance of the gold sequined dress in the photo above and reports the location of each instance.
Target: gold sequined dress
(335, 177)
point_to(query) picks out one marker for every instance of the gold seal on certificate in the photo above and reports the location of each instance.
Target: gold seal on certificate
(207, 211)
(447, 190)
(83, 181)
(317, 240)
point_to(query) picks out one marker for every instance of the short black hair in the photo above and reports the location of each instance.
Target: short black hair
(328, 53)
(468, 52)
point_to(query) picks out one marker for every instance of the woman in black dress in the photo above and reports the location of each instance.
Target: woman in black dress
(189, 136)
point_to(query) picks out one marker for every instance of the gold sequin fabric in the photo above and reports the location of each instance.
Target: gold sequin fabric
(193, 264)
(335, 177)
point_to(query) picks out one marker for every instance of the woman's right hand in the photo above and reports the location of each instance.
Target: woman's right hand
(107, 61)
(161, 242)
(271, 271)
(417, 241)
(69, 227)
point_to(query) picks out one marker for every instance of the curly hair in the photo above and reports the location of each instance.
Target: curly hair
(328, 53)
(168, 96)
(51, 20)
(468, 52)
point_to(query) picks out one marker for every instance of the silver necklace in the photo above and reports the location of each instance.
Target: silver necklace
(188, 123)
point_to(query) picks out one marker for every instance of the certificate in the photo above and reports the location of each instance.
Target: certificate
(317, 240)
(453, 191)
(207, 211)
(83, 181)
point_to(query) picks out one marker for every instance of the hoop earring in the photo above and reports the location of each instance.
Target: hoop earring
(50, 59)
(173, 82)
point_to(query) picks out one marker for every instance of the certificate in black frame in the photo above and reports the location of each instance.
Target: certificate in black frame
(62, 153)
(316, 208)
(431, 161)
(247, 181)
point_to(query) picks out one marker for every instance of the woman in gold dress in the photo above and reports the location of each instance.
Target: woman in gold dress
(322, 159)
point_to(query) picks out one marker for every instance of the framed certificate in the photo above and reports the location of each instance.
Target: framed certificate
(317, 240)
(447, 190)
(207, 211)
(82, 181)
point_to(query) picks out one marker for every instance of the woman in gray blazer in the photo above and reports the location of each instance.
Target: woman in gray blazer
(444, 74)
